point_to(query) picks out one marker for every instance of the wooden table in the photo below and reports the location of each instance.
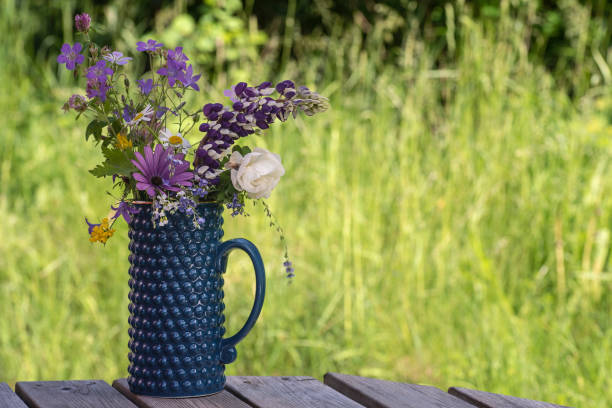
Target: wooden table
(337, 390)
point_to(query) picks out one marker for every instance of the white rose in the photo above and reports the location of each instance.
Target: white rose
(257, 172)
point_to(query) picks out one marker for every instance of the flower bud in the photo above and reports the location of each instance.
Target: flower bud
(82, 22)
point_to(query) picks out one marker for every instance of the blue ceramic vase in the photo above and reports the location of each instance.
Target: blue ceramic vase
(177, 344)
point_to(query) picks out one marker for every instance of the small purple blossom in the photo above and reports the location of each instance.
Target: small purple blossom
(231, 94)
(97, 88)
(146, 86)
(70, 56)
(116, 57)
(82, 22)
(99, 71)
(172, 71)
(236, 205)
(91, 226)
(76, 102)
(186, 204)
(128, 113)
(188, 79)
(289, 269)
(150, 45)
(177, 57)
(125, 210)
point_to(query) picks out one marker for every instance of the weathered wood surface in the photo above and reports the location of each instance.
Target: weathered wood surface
(287, 392)
(71, 394)
(374, 393)
(224, 399)
(484, 399)
(8, 399)
(339, 391)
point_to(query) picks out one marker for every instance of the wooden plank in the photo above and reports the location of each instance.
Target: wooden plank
(223, 399)
(484, 399)
(8, 399)
(374, 393)
(71, 394)
(287, 392)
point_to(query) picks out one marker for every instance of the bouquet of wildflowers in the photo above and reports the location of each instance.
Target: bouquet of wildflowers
(142, 127)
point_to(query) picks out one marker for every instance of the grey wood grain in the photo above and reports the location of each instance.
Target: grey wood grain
(224, 399)
(484, 399)
(374, 393)
(287, 392)
(8, 399)
(71, 394)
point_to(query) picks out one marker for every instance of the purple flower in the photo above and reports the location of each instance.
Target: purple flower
(146, 86)
(97, 88)
(177, 57)
(172, 71)
(125, 210)
(128, 113)
(188, 79)
(70, 56)
(289, 268)
(155, 175)
(91, 226)
(231, 93)
(77, 102)
(82, 22)
(116, 57)
(150, 45)
(236, 205)
(99, 71)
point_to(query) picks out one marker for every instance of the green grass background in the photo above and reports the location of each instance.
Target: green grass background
(448, 226)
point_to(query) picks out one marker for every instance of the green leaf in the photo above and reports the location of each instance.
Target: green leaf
(117, 162)
(94, 128)
(243, 150)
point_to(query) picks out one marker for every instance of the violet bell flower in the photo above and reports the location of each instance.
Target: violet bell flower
(116, 57)
(150, 46)
(146, 86)
(125, 210)
(70, 56)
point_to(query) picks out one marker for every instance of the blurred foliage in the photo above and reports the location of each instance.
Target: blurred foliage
(220, 37)
(571, 38)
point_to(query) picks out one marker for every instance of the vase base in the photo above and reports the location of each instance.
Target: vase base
(177, 396)
(162, 390)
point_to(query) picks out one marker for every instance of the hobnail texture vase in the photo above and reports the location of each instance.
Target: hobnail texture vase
(176, 306)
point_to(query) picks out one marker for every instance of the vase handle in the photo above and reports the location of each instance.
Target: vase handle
(228, 349)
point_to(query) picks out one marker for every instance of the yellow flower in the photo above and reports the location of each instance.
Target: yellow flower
(123, 142)
(101, 232)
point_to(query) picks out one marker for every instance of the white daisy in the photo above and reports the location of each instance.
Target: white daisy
(144, 115)
(175, 140)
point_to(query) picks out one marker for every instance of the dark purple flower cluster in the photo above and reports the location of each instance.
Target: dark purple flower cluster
(97, 84)
(76, 102)
(186, 205)
(236, 206)
(82, 22)
(289, 269)
(176, 69)
(253, 109)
